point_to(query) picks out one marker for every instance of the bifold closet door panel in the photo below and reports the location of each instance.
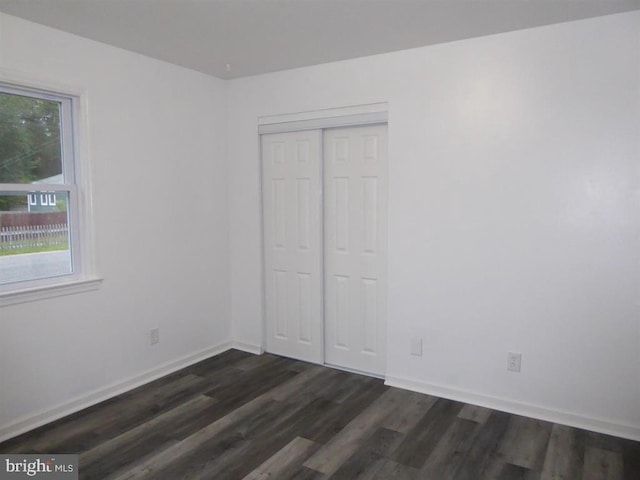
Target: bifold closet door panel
(292, 186)
(355, 247)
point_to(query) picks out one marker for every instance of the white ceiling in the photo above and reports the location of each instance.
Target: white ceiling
(259, 36)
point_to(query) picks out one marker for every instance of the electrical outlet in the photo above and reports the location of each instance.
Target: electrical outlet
(154, 336)
(514, 361)
(416, 347)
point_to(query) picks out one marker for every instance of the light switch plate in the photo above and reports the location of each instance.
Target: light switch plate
(416, 347)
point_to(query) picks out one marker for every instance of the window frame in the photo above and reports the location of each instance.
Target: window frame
(77, 187)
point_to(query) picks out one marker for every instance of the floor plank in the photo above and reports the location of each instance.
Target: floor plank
(414, 407)
(525, 442)
(238, 416)
(599, 464)
(390, 469)
(565, 454)
(423, 438)
(338, 415)
(516, 472)
(481, 458)
(475, 413)
(141, 440)
(333, 454)
(286, 461)
(449, 454)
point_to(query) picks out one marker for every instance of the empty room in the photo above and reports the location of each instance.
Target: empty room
(320, 239)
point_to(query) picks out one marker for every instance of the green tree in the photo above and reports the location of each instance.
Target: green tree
(30, 147)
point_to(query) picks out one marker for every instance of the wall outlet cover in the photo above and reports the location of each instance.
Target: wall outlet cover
(514, 361)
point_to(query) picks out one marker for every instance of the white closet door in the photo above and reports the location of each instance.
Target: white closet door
(355, 247)
(292, 166)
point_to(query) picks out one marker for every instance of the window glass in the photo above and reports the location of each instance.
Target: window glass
(30, 140)
(34, 239)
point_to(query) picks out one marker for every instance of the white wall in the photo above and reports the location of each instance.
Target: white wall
(157, 145)
(513, 213)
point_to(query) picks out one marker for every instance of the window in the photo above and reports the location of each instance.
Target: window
(42, 240)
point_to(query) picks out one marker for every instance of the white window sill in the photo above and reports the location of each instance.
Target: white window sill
(59, 289)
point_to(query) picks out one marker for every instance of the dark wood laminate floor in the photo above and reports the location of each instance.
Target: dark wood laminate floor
(239, 416)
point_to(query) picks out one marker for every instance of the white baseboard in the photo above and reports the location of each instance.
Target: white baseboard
(608, 427)
(248, 347)
(29, 422)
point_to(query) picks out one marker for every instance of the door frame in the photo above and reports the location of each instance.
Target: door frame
(352, 116)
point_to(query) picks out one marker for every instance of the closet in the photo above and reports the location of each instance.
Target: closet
(325, 245)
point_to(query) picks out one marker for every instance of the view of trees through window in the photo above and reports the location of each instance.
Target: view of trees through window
(33, 220)
(30, 147)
